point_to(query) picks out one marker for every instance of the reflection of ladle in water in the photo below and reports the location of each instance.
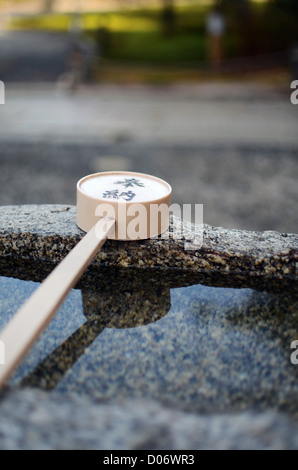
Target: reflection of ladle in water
(112, 204)
(119, 307)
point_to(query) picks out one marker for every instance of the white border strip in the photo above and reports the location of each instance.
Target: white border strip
(2, 353)
(2, 93)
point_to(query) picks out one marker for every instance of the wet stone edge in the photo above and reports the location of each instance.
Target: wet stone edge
(46, 233)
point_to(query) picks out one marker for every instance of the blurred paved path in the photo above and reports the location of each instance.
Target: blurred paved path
(214, 113)
(28, 56)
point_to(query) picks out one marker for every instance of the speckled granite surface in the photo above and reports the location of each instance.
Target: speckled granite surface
(197, 350)
(204, 349)
(32, 420)
(150, 358)
(48, 232)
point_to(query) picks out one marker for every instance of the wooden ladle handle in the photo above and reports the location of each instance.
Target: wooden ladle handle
(26, 325)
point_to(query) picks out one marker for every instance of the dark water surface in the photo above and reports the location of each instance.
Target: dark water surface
(196, 348)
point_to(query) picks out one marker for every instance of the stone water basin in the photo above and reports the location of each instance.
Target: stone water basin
(188, 347)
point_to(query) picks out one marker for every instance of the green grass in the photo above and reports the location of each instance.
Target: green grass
(153, 46)
(53, 22)
(141, 20)
(135, 35)
(138, 35)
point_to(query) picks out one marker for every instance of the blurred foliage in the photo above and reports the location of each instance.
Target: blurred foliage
(277, 28)
(289, 6)
(177, 33)
(261, 28)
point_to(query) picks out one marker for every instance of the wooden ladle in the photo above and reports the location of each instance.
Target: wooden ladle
(117, 205)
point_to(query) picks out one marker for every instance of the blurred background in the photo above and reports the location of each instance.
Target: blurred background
(194, 91)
